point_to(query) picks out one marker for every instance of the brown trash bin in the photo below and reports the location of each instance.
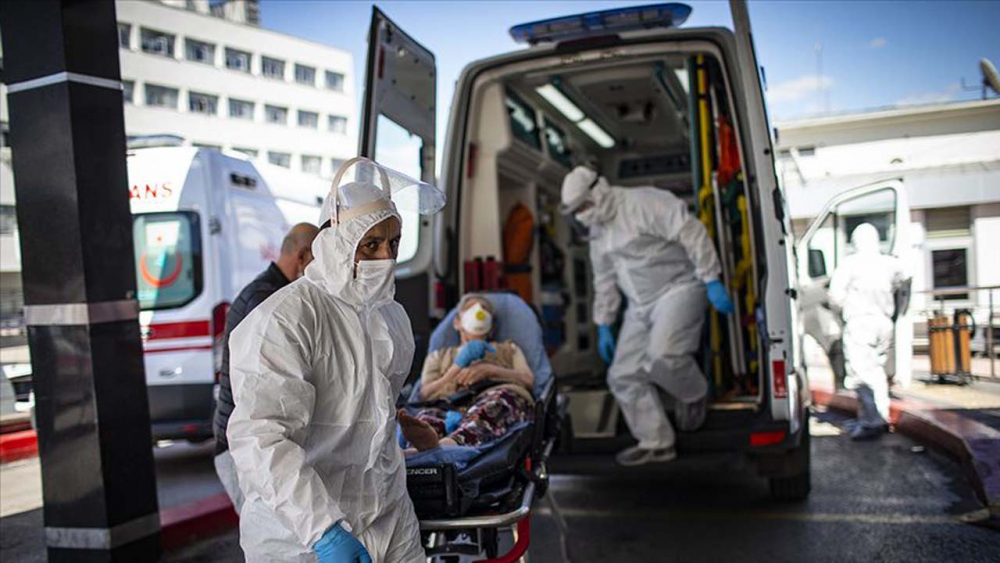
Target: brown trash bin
(950, 338)
(942, 345)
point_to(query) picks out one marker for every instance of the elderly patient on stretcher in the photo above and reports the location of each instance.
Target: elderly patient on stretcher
(470, 394)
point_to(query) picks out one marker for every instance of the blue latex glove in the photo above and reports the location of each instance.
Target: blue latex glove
(719, 297)
(472, 350)
(338, 546)
(451, 421)
(606, 343)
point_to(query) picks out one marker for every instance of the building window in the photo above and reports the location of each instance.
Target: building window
(237, 60)
(950, 270)
(161, 96)
(157, 43)
(272, 68)
(199, 51)
(308, 119)
(280, 159)
(276, 114)
(252, 153)
(240, 109)
(337, 124)
(128, 91)
(311, 164)
(335, 81)
(335, 164)
(305, 75)
(124, 36)
(203, 103)
(206, 146)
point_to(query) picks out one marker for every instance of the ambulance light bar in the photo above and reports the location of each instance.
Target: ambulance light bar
(601, 23)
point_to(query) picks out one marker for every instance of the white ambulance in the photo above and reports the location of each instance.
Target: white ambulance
(205, 223)
(653, 104)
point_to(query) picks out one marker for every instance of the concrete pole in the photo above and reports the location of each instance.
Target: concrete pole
(68, 147)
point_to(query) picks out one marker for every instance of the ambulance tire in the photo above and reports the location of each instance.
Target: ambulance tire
(795, 487)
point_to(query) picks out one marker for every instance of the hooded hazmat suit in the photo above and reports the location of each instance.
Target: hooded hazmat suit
(316, 370)
(644, 242)
(862, 288)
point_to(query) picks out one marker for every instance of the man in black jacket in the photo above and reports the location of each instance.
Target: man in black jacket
(296, 253)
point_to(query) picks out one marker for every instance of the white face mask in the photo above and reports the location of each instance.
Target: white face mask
(588, 218)
(476, 320)
(375, 281)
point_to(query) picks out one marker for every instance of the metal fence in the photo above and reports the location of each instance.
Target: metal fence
(982, 304)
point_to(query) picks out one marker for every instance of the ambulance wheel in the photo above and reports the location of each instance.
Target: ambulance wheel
(795, 487)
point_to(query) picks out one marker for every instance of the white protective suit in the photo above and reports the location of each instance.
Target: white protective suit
(644, 241)
(862, 288)
(316, 370)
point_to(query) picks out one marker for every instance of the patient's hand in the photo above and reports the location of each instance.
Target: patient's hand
(474, 374)
(417, 432)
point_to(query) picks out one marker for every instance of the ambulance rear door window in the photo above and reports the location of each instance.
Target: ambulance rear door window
(167, 259)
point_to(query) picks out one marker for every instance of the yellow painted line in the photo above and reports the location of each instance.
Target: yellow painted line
(821, 517)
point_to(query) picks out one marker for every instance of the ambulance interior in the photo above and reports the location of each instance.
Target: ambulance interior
(661, 119)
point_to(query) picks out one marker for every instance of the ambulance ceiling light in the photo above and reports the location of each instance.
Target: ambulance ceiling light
(600, 136)
(559, 101)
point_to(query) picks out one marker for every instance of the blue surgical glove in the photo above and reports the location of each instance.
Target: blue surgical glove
(719, 297)
(606, 343)
(451, 421)
(472, 350)
(338, 546)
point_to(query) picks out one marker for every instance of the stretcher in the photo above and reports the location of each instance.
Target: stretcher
(475, 504)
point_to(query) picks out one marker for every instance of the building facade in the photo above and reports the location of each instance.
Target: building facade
(208, 74)
(232, 85)
(948, 158)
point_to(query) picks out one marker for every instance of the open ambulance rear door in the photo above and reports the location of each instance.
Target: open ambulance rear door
(398, 130)
(786, 384)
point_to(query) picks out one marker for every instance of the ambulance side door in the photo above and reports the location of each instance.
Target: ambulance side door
(398, 130)
(827, 241)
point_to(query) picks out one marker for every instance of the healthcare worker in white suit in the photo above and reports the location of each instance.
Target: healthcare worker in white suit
(863, 289)
(316, 370)
(644, 242)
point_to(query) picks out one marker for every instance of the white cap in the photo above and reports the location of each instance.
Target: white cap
(576, 188)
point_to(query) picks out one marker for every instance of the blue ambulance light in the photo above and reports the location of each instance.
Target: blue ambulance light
(600, 23)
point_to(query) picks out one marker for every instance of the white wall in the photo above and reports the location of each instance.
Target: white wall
(986, 232)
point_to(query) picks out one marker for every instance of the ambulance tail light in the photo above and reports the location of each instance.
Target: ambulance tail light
(780, 378)
(758, 439)
(218, 332)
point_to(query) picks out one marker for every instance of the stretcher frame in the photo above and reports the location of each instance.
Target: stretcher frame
(482, 531)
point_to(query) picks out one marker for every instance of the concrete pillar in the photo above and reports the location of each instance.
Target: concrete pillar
(68, 147)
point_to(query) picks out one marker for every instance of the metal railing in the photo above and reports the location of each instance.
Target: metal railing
(981, 303)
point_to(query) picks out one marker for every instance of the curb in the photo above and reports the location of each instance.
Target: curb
(188, 523)
(18, 445)
(975, 445)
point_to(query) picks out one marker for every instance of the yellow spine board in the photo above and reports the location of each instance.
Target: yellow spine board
(706, 205)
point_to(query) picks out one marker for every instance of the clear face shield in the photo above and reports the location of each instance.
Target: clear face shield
(364, 186)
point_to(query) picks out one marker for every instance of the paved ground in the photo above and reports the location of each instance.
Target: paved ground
(184, 473)
(885, 501)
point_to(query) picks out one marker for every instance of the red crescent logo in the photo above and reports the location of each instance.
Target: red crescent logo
(159, 282)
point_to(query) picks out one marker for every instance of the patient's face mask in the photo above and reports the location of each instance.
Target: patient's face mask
(476, 320)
